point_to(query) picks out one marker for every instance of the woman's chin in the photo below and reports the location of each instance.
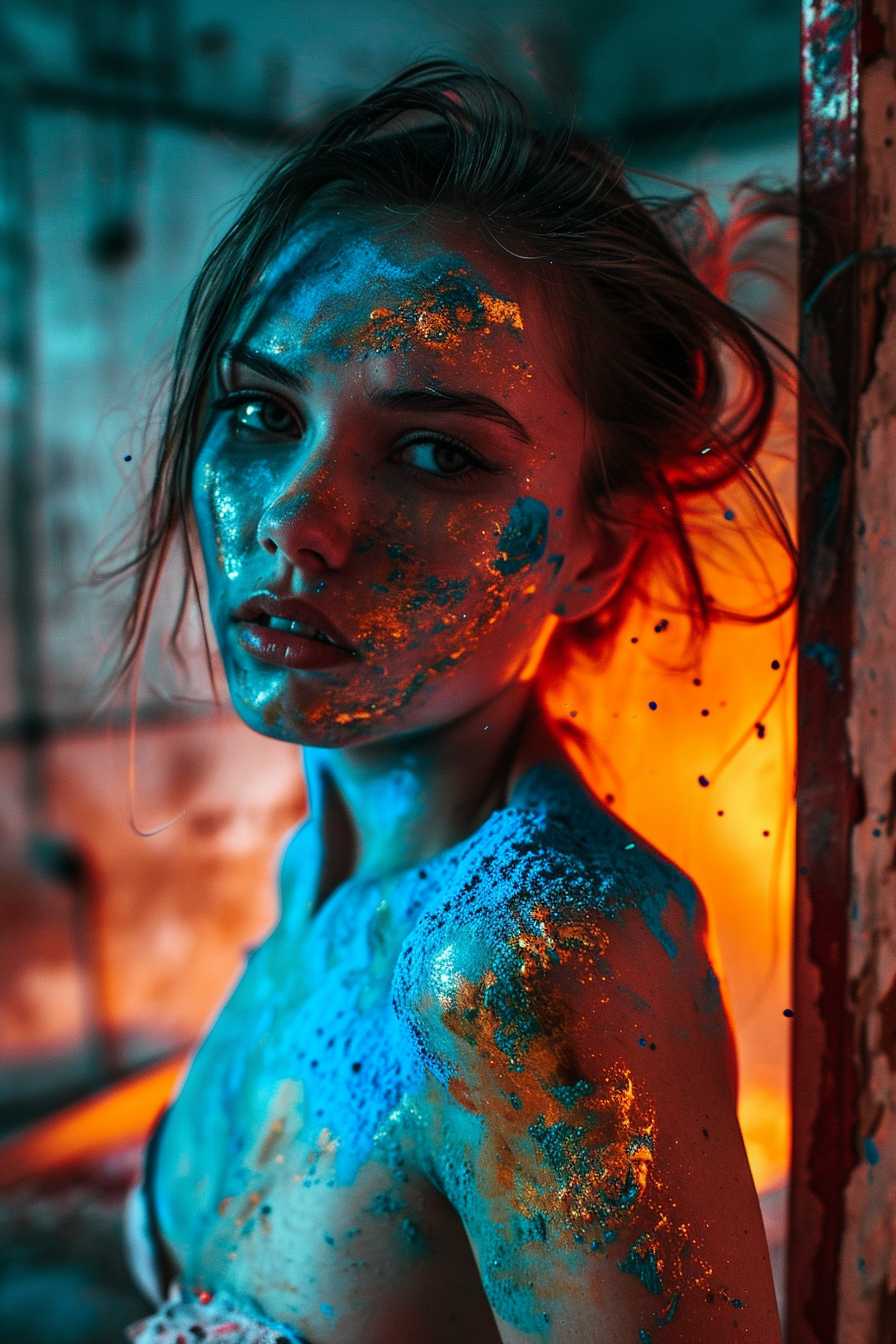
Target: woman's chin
(310, 722)
(311, 712)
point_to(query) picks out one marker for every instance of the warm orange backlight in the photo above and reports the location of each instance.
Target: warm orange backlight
(120, 1117)
(706, 775)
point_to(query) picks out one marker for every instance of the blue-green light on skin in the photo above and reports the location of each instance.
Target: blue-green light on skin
(429, 925)
(353, 314)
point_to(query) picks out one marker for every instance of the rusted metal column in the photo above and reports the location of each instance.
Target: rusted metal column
(868, 1253)
(842, 1282)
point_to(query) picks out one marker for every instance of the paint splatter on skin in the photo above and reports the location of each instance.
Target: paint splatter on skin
(523, 540)
(450, 307)
(475, 989)
(404, 521)
(388, 1008)
(395, 1072)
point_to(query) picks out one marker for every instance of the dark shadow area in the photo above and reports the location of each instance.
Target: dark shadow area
(63, 1276)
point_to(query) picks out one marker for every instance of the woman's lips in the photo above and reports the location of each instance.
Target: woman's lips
(289, 632)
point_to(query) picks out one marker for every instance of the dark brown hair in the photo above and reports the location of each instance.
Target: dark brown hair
(653, 353)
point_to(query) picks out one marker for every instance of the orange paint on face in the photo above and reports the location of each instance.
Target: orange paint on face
(442, 315)
(411, 568)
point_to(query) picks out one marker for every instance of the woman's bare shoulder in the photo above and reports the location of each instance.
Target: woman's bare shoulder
(553, 894)
(563, 1004)
(552, 867)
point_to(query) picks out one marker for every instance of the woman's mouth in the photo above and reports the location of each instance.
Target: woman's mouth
(289, 632)
(297, 628)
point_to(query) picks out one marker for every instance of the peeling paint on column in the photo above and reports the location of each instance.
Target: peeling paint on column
(830, 53)
(868, 1252)
(824, 1075)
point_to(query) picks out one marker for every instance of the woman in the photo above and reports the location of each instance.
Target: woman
(441, 393)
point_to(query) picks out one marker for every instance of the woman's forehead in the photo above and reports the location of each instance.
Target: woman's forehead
(346, 288)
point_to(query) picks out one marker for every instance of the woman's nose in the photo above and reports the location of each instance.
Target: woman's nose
(311, 522)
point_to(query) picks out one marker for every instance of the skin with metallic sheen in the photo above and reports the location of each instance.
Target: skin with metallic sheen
(478, 1084)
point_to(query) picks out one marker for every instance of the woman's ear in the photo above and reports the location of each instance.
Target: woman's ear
(609, 550)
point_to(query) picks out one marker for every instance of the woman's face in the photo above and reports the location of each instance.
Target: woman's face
(387, 492)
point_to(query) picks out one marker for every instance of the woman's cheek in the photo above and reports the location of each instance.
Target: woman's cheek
(508, 588)
(523, 565)
(228, 504)
(440, 598)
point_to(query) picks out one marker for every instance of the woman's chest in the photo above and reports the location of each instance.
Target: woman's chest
(293, 1167)
(306, 1077)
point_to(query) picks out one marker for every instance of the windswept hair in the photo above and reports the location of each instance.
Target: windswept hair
(679, 387)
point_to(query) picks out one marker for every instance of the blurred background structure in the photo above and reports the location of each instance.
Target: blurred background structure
(128, 131)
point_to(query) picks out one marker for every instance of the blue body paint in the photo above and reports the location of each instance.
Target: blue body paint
(408, 1031)
(664, 1316)
(365, 1051)
(642, 1262)
(523, 540)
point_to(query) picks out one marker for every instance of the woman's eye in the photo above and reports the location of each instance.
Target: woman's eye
(263, 416)
(439, 456)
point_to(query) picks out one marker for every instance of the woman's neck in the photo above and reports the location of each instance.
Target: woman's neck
(387, 806)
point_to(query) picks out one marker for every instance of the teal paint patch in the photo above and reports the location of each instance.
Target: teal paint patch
(712, 993)
(414, 685)
(828, 659)
(412, 1235)
(523, 540)
(711, 1006)
(571, 1154)
(568, 1094)
(641, 1261)
(384, 1204)
(439, 592)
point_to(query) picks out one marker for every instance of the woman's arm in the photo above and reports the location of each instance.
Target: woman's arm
(584, 1110)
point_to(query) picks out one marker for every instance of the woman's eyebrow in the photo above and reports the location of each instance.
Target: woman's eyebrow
(436, 400)
(237, 353)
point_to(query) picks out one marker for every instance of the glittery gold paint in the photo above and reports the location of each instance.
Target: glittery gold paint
(555, 1155)
(442, 313)
(594, 1140)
